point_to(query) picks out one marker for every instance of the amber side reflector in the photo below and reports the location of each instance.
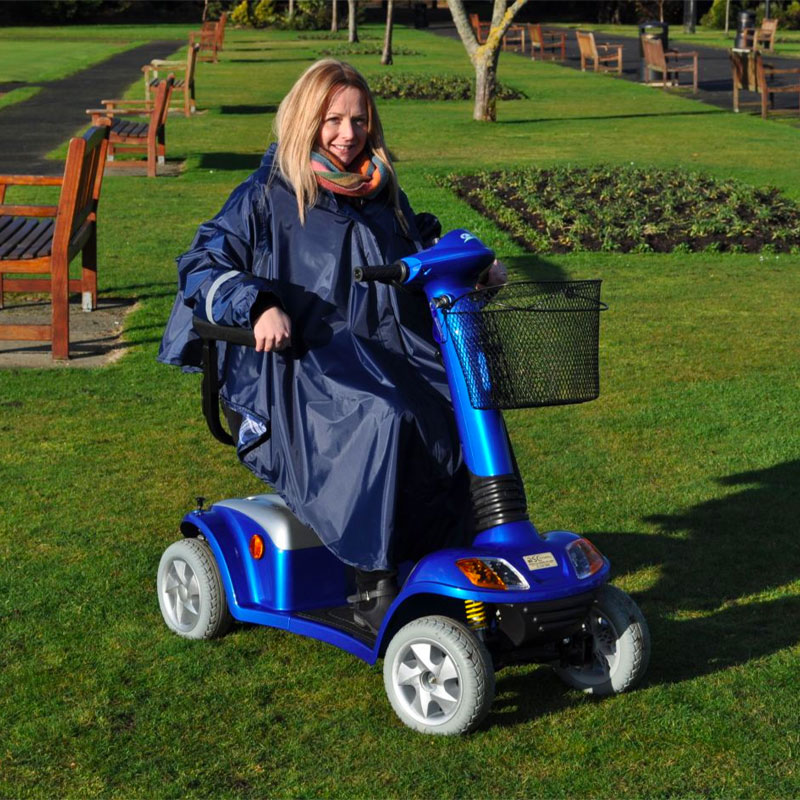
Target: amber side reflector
(480, 574)
(256, 546)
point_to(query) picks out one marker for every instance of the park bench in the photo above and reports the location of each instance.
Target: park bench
(547, 43)
(751, 74)
(481, 29)
(43, 239)
(768, 86)
(764, 36)
(135, 136)
(184, 83)
(670, 63)
(604, 57)
(210, 38)
(514, 38)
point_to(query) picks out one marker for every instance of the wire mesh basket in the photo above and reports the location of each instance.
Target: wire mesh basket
(529, 344)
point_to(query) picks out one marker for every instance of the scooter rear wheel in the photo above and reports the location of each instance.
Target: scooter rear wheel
(438, 676)
(190, 591)
(620, 646)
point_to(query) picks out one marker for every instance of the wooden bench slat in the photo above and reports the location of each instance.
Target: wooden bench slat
(30, 239)
(40, 244)
(15, 235)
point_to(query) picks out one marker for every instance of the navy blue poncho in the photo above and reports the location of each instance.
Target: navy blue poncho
(352, 425)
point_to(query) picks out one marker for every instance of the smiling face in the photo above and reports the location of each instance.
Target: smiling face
(344, 124)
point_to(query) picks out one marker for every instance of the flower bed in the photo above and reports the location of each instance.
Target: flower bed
(631, 209)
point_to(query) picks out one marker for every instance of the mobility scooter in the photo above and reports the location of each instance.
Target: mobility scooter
(515, 595)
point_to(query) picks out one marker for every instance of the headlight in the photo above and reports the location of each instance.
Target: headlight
(492, 573)
(585, 557)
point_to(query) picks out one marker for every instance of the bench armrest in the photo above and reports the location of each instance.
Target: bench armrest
(774, 71)
(30, 180)
(8, 210)
(108, 103)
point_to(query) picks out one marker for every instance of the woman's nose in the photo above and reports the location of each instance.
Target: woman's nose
(346, 129)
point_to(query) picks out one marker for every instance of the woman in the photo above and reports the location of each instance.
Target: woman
(343, 405)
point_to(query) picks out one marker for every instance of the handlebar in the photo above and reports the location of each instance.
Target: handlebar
(383, 273)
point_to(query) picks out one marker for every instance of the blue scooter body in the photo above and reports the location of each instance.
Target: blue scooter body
(297, 575)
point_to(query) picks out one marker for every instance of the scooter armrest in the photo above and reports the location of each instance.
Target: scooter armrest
(211, 334)
(223, 333)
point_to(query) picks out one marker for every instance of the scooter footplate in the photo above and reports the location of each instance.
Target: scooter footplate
(340, 618)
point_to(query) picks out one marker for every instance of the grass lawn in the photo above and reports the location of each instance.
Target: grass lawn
(686, 473)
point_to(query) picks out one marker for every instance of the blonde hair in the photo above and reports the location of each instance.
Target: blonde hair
(299, 120)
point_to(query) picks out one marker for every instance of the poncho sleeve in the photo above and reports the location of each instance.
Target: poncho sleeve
(218, 276)
(222, 277)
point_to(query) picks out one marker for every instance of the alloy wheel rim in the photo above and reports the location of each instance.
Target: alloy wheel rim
(427, 682)
(181, 594)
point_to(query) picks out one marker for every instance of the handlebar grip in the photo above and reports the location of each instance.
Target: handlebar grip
(224, 333)
(385, 273)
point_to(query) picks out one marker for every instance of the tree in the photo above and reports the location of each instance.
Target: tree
(386, 58)
(334, 16)
(484, 57)
(352, 25)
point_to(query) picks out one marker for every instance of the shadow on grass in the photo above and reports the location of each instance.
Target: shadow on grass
(268, 109)
(712, 607)
(230, 161)
(535, 268)
(701, 113)
(267, 59)
(720, 563)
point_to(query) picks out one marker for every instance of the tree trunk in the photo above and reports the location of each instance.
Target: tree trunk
(727, 16)
(485, 57)
(352, 25)
(386, 58)
(486, 87)
(291, 10)
(205, 10)
(334, 16)
(689, 16)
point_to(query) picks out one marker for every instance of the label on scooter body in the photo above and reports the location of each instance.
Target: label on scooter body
(540, 561)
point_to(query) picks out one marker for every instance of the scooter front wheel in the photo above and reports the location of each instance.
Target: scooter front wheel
(620, 646)
(190, 591)
(438, 676)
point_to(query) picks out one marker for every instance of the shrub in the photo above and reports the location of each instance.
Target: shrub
(431, 87)
(241, 14)
(264, 13)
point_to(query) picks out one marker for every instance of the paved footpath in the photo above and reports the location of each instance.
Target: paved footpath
(715, 84)
(32, 128)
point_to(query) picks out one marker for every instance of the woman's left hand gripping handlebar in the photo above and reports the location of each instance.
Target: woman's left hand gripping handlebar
(273, 330)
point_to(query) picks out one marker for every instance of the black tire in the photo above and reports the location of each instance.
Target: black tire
(438, 676)
(620, 650)
(190, 591)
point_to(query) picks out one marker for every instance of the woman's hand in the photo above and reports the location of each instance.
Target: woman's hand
(494, 276)
(273, 330)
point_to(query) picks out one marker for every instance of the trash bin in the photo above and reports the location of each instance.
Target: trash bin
(746, 20)
(655, 30)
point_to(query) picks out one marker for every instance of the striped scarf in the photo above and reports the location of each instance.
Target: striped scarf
(365, 177)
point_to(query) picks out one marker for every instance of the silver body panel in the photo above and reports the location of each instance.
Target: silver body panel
(272, 514)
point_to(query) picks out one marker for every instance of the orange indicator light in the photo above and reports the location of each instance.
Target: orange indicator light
(256, 547)
(480, 574)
